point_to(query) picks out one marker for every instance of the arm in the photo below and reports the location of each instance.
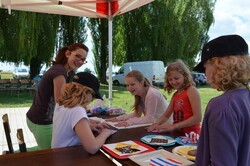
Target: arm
(194, 98)
(58, 83)
(89, 142)
(121, 117)
(162, 119)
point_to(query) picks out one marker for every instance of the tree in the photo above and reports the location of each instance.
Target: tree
(163, 30)
(99, 33)
(28, 37)
(37, 37)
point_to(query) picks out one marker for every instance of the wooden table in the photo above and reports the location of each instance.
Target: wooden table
(76, 155)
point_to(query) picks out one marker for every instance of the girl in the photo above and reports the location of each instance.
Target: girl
(40, 114)
(70, 122)
(148, 101)
(185, 103)
(225, 133)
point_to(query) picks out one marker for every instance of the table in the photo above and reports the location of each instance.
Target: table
(76, 155)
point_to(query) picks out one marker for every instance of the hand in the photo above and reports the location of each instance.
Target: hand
(166, 128)
(97, 127)
(152, 128)
(122, 124)
(111, 120)
(109, 132)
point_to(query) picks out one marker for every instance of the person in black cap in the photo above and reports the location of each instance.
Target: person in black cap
(71, 125)
(225, 134)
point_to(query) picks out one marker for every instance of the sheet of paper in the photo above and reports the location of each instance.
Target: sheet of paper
(113, 123)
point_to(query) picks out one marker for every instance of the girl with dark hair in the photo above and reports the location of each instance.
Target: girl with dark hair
(40, 114)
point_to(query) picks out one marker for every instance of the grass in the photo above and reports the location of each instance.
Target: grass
(121, 98)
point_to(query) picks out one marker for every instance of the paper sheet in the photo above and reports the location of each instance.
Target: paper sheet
(113, 123)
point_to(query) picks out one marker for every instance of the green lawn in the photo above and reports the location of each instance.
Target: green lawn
(121, 98)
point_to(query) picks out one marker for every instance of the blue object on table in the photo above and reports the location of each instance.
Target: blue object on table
(146, 139)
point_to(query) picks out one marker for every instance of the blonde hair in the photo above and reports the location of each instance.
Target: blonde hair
(74, 94)
(183, 69)
(140, 78)
(230, 72)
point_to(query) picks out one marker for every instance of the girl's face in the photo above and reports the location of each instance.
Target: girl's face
(89, 99)
(76, 58)
(133, 86)
(209, 70)
(176, 80)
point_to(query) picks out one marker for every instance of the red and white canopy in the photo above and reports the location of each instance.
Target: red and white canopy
(86, 8)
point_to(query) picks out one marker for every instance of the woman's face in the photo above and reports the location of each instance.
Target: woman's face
(176, 80)
(209, 70)
(133, 86)
(76, 58)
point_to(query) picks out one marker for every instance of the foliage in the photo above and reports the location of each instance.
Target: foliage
(163, 30)
(99, 33)
(36, 37)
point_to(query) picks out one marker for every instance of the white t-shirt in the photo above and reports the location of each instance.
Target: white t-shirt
(64, 121)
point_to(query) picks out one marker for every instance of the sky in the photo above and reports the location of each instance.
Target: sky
(231, 17)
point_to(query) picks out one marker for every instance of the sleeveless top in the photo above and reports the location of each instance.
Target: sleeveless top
(183, 110)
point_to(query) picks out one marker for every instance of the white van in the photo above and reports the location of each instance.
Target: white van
(154, 71)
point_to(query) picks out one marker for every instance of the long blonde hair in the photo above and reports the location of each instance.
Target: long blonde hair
(140, 78)
(74, 94)
(183, 69)
(230, 72)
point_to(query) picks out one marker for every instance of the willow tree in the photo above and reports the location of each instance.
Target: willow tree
(71, 30)
(99, 33)
(163, 30)
(34, 38)
(29, 38)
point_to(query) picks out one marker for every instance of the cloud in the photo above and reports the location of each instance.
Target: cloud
(231, 17)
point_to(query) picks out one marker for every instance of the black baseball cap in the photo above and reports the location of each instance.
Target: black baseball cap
(89, 80)
(222, 46)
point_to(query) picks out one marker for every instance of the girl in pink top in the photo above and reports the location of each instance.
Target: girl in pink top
(185, 103)
(149, 103)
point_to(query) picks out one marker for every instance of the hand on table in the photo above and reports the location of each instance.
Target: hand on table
(97, 127)
(165, 128)
(122, 124)
(153, 128)
(111, 120)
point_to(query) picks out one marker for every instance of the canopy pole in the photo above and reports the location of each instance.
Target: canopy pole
(110, 54)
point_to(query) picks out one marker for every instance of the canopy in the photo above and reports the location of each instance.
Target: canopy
(87, 8)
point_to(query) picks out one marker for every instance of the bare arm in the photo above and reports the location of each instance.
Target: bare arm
(89, 142)
(194, 98)
(58, 83)
(162, 119)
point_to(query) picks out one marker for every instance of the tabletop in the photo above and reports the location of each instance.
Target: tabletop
(77, 156)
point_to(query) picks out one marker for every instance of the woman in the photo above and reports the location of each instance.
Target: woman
(148, 102)
(225, 134)
(40, 114)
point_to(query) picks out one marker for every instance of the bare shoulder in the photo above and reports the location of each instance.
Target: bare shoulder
(192, 90)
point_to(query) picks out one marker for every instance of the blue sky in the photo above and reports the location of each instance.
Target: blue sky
(231, 17)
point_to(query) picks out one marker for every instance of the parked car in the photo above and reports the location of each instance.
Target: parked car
(195, 78)
(21, 73)
(199, 78)
(202, 78)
